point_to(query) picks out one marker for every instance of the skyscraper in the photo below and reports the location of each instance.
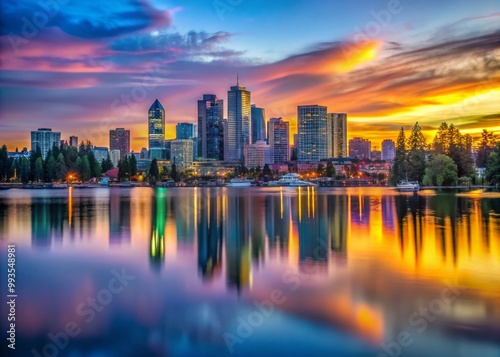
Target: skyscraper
(388, 150)
(119, 139)
(360, 148)
(338, 127)
(156, 129)
(258, 124)
(210, 127)
(313, 133)
(44, 138)
(239, 123)
(279, 140)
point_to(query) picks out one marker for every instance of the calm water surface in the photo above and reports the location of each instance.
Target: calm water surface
(253, 272)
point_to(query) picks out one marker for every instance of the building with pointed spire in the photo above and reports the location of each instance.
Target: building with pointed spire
(239, 122)
(156, 130)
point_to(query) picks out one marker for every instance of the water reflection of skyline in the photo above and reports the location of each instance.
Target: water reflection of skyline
(239, 231)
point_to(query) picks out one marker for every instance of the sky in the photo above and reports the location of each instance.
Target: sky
(84, 67)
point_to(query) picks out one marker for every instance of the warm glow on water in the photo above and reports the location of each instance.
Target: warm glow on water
(347, 270)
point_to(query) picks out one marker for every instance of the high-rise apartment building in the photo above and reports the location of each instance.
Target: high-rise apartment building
(338, 130)
(278, 135)
(156, 129)
(258, 124)
(119, 139)
(181, 153)
(44, 138)
(239, 124)
(313, 133)
(210, 127)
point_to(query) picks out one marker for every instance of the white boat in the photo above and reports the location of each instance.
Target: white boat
(405, 185)
(293, 180)
(238, 182)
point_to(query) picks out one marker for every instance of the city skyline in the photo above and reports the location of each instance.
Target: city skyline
(389, 64)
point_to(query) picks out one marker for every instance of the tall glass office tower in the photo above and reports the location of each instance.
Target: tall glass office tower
(156, 130)
(258, 124)
(239, 122)
(210, 127)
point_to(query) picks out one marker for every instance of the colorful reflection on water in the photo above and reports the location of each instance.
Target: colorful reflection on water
(353, 271)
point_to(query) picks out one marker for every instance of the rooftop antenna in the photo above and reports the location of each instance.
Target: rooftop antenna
(237, 79)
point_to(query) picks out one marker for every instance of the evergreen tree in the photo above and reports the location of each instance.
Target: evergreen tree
(173, 174)
(320, 171)
(39, 174)
(154, 173)
(50, 168)
(267, 170)
(85, 168)
(330, 169)
(96, 169)
(415, 160)
(106, 164)
(60, 168)
(4, 163)
(486, 145)
(133, 165)
(493, 166)
(24, 170)
(398, 171)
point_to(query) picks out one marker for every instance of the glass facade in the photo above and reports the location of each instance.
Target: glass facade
(258, 124)
(278, 134)
(313, 133)
(156, 126)
(44, 138)
(239, 124)
(210, 127)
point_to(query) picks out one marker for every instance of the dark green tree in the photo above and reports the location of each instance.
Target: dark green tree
(133, 165)
(415, 160)
(85, 173)
(60, 168)
(267, 170)
(330, 169)
(123, 169)
(173, 173)
(50, 168)
(106, 164)
(154, 173)
(493, 166)
(320, 171)
(441, 171)
(486, 145)
(398, 171)
(39, 172)
(24, 170)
